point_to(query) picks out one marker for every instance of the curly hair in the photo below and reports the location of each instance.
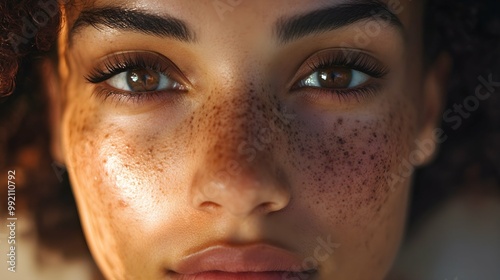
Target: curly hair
(27, 26)
(469, 30)
(29, 31)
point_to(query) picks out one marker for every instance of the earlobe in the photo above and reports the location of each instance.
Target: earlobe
(50, 84)
(434, 94)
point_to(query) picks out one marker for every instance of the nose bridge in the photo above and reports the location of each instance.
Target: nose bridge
(236, 172)
(237, 119)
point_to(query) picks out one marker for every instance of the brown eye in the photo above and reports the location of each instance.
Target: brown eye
(336, 77)
(141, 79)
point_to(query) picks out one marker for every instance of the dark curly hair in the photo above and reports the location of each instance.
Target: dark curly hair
(43, 189)
(26, 27)
(469, 30)
(470, 158)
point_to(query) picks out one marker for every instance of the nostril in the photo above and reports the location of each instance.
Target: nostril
(270, 207)
(208, 205)
(255, 190)
(267, 207)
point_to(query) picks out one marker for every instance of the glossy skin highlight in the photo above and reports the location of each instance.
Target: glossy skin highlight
(240, 158)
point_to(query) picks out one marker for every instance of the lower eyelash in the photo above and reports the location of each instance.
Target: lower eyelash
(104, 93)
(354, 60)
(358, 94)
(123, 62)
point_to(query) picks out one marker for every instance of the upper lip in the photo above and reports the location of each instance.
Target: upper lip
(252, 258)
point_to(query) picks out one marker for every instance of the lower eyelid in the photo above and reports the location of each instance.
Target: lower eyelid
(354, 59)
(338, 97)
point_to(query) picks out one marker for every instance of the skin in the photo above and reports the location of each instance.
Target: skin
(157, 180)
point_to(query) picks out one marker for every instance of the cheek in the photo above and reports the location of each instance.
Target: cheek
(347, 167)
(341, 171)
(86, 173)
(124, 182)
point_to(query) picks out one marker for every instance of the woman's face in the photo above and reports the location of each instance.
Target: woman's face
(236, 139)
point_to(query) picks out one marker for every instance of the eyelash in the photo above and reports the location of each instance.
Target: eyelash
(127, 61)
(358, 61)
(124, 62)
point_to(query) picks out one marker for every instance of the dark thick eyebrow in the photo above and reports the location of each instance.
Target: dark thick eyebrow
(331, 18)
(135, 21)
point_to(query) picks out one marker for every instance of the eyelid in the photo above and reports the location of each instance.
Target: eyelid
(116, 63)
(314, 61)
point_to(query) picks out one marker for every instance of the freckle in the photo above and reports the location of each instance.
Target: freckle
(340, 121)
(122, 204)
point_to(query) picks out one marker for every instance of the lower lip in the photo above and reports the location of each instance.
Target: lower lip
(219, 275)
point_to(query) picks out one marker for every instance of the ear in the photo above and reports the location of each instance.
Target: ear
(50, 84)
(434, 96)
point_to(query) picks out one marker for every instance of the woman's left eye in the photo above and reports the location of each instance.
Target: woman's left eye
(335, 78)
(142, 80)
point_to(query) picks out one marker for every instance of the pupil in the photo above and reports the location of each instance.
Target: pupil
(143, 80)
(335, 77)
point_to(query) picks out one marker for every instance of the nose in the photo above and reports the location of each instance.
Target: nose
(237, 172)
(245, 193)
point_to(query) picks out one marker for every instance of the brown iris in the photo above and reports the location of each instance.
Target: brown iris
(335, 77)
(141, 79)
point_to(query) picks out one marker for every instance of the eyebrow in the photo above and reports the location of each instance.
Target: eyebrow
(331, 18)
(133, 20)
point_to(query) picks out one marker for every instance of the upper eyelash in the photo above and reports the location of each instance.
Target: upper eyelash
(356, 61)
(124, 62)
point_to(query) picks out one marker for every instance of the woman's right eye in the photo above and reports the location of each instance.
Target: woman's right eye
(135, 76)
(139, 80)
(337, 77)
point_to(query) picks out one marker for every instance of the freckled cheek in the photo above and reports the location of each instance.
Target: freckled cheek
(130, 171)
(130, 176)
(345, 171)
(132, 182)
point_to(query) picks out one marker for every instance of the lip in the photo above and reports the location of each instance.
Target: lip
(259, 261)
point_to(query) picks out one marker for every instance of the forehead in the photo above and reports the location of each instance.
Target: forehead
(247, 14)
